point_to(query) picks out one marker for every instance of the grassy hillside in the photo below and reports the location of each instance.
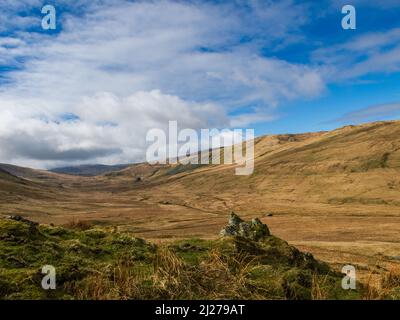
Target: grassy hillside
(353, 167)
(341, 187)
(107, 264)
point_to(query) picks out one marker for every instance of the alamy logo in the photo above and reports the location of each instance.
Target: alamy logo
(49, 20)
(349, 20)
(49, 280)
(188, 147)
(349, 281)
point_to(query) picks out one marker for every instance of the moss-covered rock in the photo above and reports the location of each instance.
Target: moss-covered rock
(253, 230)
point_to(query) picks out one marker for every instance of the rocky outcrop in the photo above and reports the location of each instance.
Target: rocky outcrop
(252, 230)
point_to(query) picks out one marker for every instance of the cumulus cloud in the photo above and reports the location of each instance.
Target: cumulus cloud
(123, 67)
(102, 128)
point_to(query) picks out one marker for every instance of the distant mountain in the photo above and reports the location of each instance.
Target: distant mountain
(89, 169)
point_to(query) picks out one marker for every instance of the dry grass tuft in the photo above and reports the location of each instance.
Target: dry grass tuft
(125, 283)
(372, 289)
(80, 225)
(392, 278)
(217, 277)
(387, 287)
(317, 288)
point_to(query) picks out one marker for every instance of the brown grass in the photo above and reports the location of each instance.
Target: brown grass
(317, 288)
(217, 277)
(77, 224)
(392, 278)
(372, 289)
(384, 287)
(125, 282)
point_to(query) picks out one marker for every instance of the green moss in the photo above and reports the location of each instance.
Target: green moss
(192, 251)
(117, 264)
(393, 294)
(297, 284)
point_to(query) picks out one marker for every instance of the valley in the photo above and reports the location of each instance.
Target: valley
(335, 194)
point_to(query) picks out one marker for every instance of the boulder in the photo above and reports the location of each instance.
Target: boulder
(234, 219)
(252, 230)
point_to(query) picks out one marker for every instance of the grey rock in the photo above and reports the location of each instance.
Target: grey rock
(229, 231)
(245, 230)
(234, 219)
(21, 219)
(253, 230)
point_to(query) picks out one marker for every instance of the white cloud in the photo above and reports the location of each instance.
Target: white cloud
(109, 129)
(125, 68)
(244, 120)
(374, 112)
(363, 55)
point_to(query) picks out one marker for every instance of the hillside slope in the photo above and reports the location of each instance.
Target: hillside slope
(342, 187)
(355, 168)
(102, 264)
(352, 168)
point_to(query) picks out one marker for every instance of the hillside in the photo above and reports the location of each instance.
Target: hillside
(342, 187)
(105, 264)
(350, 170)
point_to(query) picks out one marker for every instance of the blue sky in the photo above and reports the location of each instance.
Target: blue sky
(90, 90)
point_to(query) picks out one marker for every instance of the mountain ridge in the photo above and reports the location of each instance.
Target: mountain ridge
(89, 169)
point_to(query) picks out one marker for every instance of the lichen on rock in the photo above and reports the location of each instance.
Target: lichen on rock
(253, 230)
